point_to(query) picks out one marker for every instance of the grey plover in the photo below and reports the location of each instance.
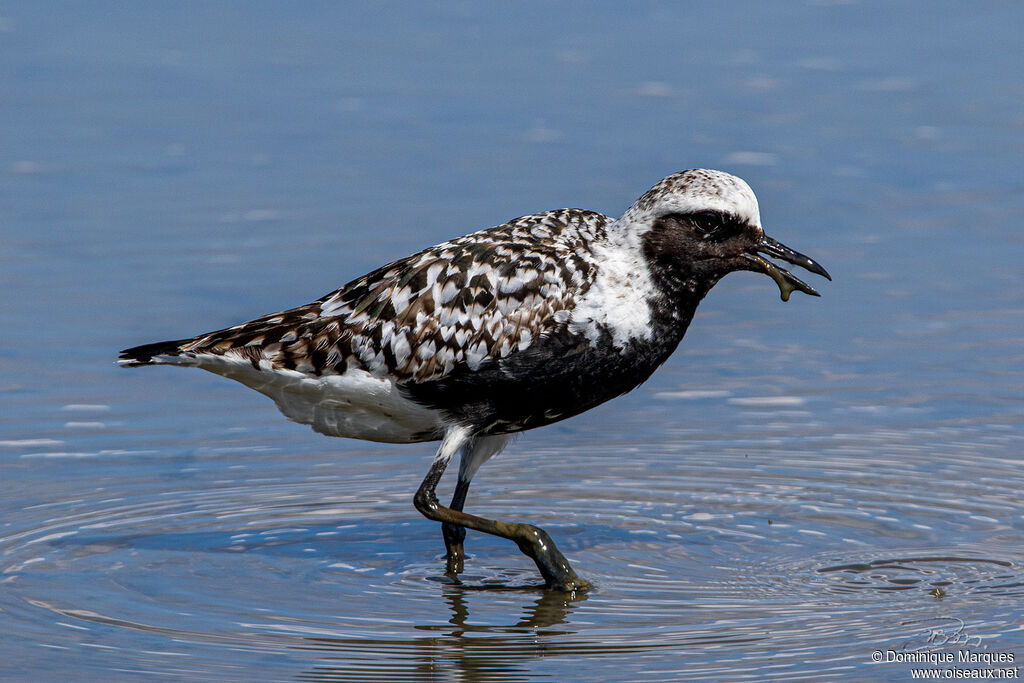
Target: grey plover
(500, 331)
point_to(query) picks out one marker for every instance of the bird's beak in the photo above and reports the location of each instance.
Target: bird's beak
(786, 281)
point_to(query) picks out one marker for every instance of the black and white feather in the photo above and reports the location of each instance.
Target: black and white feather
(502, 330)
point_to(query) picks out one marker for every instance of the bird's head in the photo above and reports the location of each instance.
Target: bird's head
(703, 224)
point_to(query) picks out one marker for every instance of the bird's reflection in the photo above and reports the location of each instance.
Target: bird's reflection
(548, 609)
(459, 650)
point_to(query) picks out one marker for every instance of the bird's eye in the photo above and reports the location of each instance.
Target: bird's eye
(709, 225)
(708, 222)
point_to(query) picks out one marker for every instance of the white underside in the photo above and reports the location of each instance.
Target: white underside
(475, 450)
(356, 404)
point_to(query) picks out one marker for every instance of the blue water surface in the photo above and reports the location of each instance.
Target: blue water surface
(801, 485)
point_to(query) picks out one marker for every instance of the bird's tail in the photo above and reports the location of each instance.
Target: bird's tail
(160, 353)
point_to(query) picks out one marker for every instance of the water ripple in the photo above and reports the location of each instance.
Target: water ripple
(752, 559)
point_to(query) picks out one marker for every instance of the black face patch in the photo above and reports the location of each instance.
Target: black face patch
(716, 226)
(687, 253)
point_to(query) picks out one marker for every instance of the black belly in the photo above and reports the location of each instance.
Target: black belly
(557, 377)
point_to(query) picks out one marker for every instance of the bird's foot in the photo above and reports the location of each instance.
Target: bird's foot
(572, 584)
(454, 561)
(554, 567)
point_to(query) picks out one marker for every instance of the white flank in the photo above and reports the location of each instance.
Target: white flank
(355, 404)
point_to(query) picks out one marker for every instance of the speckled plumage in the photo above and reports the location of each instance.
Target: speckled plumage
(404, 329)
(487, 294)
(503, 330)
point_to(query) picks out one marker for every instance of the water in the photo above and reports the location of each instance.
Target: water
(801, 485)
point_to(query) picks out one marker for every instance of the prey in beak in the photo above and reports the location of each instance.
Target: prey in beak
(786, 281)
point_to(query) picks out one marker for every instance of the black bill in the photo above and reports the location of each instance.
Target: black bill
(786, 281)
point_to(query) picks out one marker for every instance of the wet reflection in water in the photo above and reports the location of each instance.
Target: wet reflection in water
(719, 568)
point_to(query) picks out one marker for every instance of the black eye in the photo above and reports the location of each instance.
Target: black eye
(708, 222)
(710, 225)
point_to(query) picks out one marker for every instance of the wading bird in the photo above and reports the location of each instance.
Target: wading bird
(497, 332)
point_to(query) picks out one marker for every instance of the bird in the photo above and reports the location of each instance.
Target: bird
(500, 331)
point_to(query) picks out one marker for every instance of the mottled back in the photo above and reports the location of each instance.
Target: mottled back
(485, 295)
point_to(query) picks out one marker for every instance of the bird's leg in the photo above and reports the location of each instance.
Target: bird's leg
(475, 451)
(454, 535)
(532, 541)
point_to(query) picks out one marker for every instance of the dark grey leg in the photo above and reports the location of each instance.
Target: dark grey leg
(532, 541)
(454, 535)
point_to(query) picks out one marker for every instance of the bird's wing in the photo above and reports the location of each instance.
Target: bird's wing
(483, 296)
